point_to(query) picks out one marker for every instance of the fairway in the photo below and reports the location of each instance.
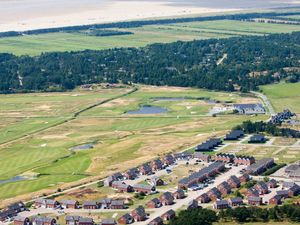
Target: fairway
(145, 35)
(283, 96)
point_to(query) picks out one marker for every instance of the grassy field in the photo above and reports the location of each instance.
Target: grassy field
(284, 95)
(119, 141)
(35, 44)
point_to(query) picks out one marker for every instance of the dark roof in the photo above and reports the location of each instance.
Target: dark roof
(221, 202)
(236, 200)
(108, 221)
(254, 198)
(72, 218)
(85, 220)
(156, 220)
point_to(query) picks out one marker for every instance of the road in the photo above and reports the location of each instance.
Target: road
(266, 102)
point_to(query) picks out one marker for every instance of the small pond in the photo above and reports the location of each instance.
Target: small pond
(15, 179)
(148, 110)
(82, 147)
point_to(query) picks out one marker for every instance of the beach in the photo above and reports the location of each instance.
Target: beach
(19, 15)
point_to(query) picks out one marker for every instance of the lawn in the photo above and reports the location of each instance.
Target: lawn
(283, 96)
(36, 44)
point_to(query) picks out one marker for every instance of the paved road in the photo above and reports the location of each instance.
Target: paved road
(266, 102)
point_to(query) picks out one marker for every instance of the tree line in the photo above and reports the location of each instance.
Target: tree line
(186, 64)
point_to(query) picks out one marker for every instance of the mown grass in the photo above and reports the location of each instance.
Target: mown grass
(36, 44)
(283, 96)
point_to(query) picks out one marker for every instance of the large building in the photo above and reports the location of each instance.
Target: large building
(260, 166)
(249, 109)
(293, 170)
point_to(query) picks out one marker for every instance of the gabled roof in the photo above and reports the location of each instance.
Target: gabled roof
(85, 220)
(236, 200)
(72, 218)
(254, 198)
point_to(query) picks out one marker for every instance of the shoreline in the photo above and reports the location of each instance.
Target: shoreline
(102, 12)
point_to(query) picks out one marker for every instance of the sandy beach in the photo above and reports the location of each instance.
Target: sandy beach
(34, 14)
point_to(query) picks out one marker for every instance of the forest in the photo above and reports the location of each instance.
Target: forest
(251, 61)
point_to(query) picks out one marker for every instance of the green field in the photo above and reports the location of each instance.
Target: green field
(35, 44)
(120, 141)
(284, 95)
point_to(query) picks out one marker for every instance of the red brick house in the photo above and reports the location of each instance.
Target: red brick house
(90, 205)
(179, 194)
(221, 204)
(252, 192)
(157, 221)
(294, 190)
(126, 219)
(224, 188)
(169, 160)
(156, 181)
(154, 203)
(193, 204)
(254, 200)
(85, 221)
(121, 186)
(224, 157)
(272, 183)
(145, 169)
(262, 188)
(214, 194)
(202, 156)
(108, 222)
(146, 189)
(72, 220)
(131, 174)
(204, 198)
(170, 214)
(235, 201)
(283, 193)
(156, 164)
(139, 214)
(234, 182)
(46, 203)
(39, 220)
(117, 204)
(18, 220)
(244, 178)
(244, 160)
(275, 200)
(166, 198)
(69, 204)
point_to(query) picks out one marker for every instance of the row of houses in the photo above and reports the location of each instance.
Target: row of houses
(260, 166)
(140, 188)
(70, 220)
(234, 135)
(236, 159)
(204, 173)
(249, 109)
(257, 139)
(282, 116)
(12, 211)
(105, 203)
(293, 170)
(166, 198)
(137, 215)
(209, 145)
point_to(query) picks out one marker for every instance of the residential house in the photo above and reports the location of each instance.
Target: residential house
(145, 169)
(17, 207)
(235, 201)
(40, 220)
(244, 160)
(156, 221)
(254, 200)
(275, 200)
(179, 194)
(104, 203)
(146, 189)
(262, 188)
(126, 219)
(117, 204)
(260, 166)
(204, 198)
(131, 174)
(244, 178)
(90, 205)
(72, 220)
(202, 156)
(156, 164)
(249, 109)
(169, 160)
(115, 177)
(252, 192)
(272, 183)
(139, 214)
(234, 135)
(221, 204)
(154, 203)
(122, 186)
(283, 193)
(193, 204)
(85, 221)
(257, 138)
(46, 203)
(69, 204)
(108, 222)
(170, 214)
(224, 188)
(234, 182)
(19, 220)
(224, 157)
(214, 194)
(156, 181)
(166, 198)
(294, 190)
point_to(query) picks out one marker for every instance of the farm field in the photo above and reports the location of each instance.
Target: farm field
(36, 44)
(119, 141)
(283, 95)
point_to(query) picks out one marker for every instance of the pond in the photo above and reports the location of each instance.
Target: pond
(15, 179)
(82, 147)
(148, 110)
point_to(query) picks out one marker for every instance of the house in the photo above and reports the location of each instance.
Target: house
(221, 204)
(17, 207)
(85, 221)
(209, 145)
(249, 109)
(156, 221)
(166, 198)
(288, 185)
(108, 222)
(69, 204)
(202, 156)
(117, 204)
(283, 193)
(224, 157)
(275, 200)
(139, 214)
(156, 181)
(146, 189)
(170, 214)
(235, 201)
(224, 188)
(244, 178)
(293, 170)
(260, 166)
(179, 194)
(7, 215)
(204, 198)
(252, 192)
(39, 220)
(115, 177)
(214, 194)
(131, 174)
(262, 188)
(154, 203)
(46, 203)
(234, 135)
(193, 204)
(254, 200)
(294, 190)
(257, 138)
(90, 205)
(145, 169)
(168, 160)
(121, 186)
(183, 156)
(234, 182)
(19, 220)
(72, 220)
(272, 183)
(104, 203)
(156, 164)
(126, 219)
(244, 160)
